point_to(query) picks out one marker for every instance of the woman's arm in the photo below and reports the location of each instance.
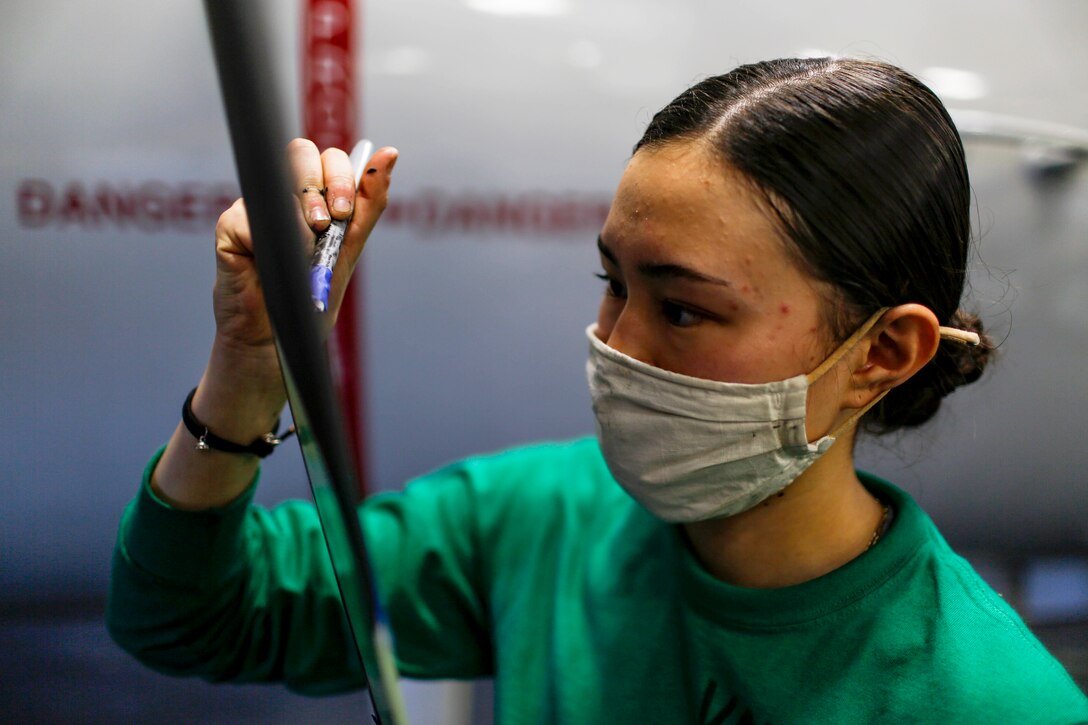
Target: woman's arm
(237, 593)
(203, 583)
(240, 394)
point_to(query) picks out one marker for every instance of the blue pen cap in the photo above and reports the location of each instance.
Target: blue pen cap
(320, 281)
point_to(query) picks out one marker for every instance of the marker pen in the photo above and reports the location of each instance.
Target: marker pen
(327, 247)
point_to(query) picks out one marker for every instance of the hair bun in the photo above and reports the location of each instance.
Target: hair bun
(961, 363)
(955, 364)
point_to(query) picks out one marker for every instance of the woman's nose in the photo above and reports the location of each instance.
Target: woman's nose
(629, 335)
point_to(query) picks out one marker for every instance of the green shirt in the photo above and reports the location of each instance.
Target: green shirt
(533, 566)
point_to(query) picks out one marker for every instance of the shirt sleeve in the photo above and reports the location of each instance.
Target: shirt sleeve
(247, 594)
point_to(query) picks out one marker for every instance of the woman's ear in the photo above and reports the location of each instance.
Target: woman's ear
(905, 339)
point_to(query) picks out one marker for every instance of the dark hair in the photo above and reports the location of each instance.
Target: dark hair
(865, 171)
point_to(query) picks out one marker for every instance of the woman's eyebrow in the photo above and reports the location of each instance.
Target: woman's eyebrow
(664, 271)
(676, 271)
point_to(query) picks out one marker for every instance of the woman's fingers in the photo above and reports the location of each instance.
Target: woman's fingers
(370, 202)
(306, 168)
(339, 182)
(237, 299)
(325, 182)
(232, 231)
(327, 191)
(373, 191)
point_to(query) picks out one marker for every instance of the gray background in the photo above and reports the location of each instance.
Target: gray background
(474, 340)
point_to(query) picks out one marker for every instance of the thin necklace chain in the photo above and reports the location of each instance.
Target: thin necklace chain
(880, 527)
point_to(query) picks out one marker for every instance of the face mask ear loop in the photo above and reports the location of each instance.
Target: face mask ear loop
(860, 412)
(947, 333)
(846, 346)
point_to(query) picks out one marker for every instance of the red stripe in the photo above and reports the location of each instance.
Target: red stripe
(331, 117)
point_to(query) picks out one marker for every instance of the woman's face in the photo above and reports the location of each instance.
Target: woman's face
(698, 280)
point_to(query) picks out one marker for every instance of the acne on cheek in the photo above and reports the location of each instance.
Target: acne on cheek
(750, 289)
(784, 308)
(779, 328)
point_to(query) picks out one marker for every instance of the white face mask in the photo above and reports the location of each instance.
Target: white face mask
(689, 449)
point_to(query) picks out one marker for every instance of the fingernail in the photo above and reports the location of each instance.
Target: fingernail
(341, 205)
(318, 214)
(393, 162)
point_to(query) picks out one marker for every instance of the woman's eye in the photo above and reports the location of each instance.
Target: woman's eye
(613, 287)
(679, 316)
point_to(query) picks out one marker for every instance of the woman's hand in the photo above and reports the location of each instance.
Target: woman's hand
(241, 393)
(241, 320)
